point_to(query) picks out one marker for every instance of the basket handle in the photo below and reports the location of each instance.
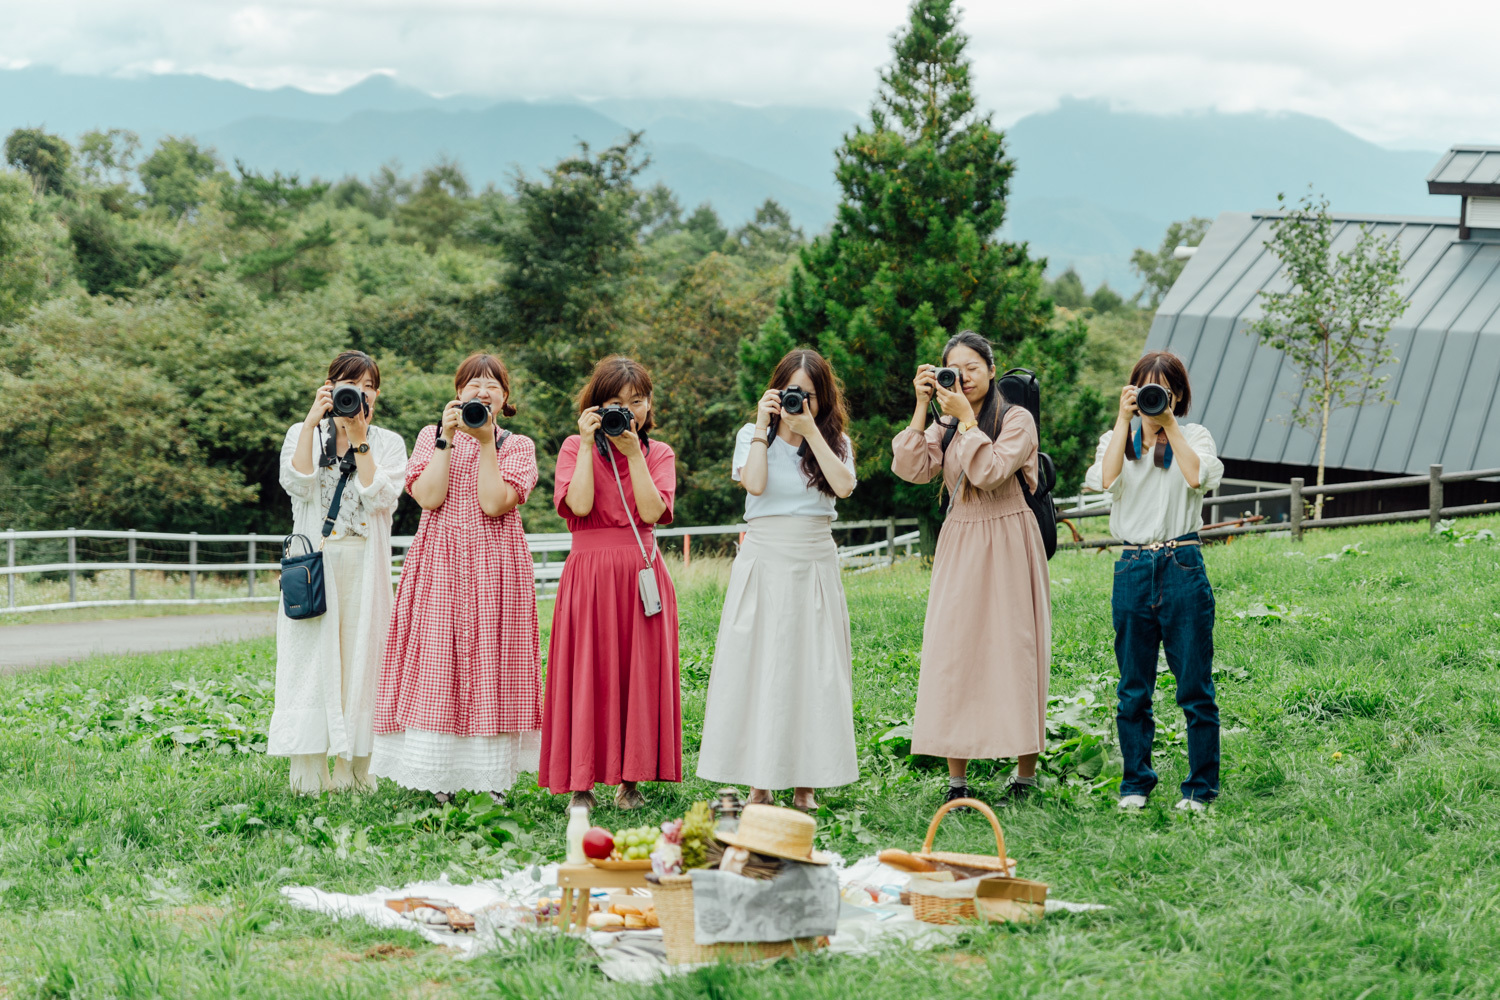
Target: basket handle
(972, 804)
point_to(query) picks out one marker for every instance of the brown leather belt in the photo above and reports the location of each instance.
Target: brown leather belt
(1157, 546)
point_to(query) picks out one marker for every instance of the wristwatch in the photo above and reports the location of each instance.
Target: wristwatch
(967, 425)
(362, 449)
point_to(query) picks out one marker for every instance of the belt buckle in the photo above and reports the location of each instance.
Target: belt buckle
(1158, 546)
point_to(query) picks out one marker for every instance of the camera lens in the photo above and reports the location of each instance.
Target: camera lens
(792, 399)
(1152, 399)
(475, 413)
(948, 377)
(348, 401)
(615, 420)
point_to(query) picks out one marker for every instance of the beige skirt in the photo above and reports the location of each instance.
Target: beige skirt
(987, 641)
(780, 710)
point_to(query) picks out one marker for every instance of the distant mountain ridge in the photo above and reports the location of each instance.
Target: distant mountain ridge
(1091, 183)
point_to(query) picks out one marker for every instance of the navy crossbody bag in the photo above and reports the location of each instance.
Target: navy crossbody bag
(302, 591)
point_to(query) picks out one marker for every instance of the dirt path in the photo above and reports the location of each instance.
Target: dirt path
(24, 647)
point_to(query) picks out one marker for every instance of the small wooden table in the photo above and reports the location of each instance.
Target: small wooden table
(575, 881)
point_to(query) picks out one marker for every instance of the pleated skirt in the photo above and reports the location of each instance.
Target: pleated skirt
(780, 710)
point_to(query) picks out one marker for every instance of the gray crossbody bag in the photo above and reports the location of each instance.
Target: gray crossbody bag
(646, 578)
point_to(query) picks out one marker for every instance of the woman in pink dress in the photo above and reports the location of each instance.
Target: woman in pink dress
(460, 701)
(613, 710)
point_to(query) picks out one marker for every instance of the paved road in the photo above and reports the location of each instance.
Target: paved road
(23, 647)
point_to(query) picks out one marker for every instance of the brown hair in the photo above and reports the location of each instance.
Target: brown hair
(610, 378)
(1167, 367)
(478, 364)
(351, 366)
(832, 416)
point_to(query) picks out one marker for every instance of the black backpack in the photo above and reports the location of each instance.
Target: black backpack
(1019, 387)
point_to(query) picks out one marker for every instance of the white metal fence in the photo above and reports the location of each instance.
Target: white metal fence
(193, 555)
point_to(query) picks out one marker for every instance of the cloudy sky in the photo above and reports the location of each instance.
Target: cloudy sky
(1390, 73)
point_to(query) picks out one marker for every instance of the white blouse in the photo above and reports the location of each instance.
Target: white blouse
(1151, 504)
(787, 492)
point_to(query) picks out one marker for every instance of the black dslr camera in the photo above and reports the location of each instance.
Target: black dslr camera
(349, 401)
(1152, 399)
(794, 399)
(614, 420)
(474, 413)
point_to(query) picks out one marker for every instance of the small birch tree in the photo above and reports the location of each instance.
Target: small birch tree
(1332, 323)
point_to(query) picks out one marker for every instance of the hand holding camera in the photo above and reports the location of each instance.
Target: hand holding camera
(351, 411)
(768, 410)
(322, 404)
(926, 383)
(617, 423)
(1150, 400)
(475, 418)
(796, 411)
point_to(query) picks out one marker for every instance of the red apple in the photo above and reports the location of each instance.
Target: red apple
(598, 842)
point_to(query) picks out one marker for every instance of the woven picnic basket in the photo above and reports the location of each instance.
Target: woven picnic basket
(941, 910)
(674, 907)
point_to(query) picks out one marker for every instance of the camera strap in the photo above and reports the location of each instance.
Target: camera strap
(346, 469)
(1161, 453)
(630, 517)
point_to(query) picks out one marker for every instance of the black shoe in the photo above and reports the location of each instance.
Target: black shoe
(959, 793)
(1017, 792)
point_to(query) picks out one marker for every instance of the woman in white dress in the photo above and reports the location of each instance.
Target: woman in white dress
(780, 711)
(326, 667)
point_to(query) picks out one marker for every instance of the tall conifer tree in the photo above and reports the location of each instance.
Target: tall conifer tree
(914, 256)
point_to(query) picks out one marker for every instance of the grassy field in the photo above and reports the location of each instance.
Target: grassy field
(1352, 854)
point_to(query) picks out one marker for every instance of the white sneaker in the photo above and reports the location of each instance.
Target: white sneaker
(1191, 805)
(1128, 802)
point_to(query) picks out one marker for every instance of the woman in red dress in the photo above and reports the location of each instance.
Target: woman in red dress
(460, 700)
(613, 711)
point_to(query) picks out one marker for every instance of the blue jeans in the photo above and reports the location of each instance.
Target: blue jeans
(1164, 598)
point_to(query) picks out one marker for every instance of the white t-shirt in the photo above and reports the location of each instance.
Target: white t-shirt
(787, 493)
(1151, 504)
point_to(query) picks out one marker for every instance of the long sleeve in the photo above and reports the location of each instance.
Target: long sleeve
(917, 456)
(297, 485)
(1093, 479)
(987, 464)
(390, 471)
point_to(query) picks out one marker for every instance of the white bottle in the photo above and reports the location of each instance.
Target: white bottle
(578, 825)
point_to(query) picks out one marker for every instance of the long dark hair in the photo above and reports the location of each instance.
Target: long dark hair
(993, 407)
(832, 416)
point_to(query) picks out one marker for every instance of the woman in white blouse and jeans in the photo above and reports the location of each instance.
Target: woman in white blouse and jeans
(327, 667)
(1158, 474)
(780, 711)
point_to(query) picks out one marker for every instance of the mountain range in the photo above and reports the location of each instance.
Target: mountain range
(1092, 183)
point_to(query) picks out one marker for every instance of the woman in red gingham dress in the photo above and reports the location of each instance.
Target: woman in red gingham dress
(460, 700)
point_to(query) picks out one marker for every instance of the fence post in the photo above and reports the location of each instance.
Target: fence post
(10, 562)
(193, 561)
(72, 573)
(250, 573)
(890, 540)
(130, 557)
(1296, 509)
(1434, 496)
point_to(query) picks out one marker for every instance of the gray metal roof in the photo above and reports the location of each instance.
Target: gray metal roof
(1467, 170)
(1447, 347)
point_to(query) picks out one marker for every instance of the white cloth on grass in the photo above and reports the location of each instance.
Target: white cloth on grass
(1151, 504)
(320, 710)
(443, 762)
(787, 492)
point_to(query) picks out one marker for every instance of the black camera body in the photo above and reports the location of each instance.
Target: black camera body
(614, 420)
(1152, 399)
(349, 401)
(474, 413)
(949, 378)
(794, 399)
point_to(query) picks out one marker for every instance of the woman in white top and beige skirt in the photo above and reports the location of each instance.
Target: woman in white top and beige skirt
(780, 711)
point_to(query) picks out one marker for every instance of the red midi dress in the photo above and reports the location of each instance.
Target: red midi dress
(460, 698)
(613, 708)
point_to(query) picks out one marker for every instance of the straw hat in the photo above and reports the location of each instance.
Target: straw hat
(781, 833)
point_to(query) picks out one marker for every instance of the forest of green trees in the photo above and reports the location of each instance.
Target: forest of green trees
(165, 316)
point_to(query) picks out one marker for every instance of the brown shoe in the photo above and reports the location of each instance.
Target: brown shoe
(585, 799)
(805, 800)
(629, 797)
(761, 797)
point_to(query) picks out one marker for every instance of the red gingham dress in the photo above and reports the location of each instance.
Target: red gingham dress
(464, 654)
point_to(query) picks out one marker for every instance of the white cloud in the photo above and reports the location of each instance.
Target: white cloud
(1380, 69)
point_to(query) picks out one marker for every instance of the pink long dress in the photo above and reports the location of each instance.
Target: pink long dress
(613, 709)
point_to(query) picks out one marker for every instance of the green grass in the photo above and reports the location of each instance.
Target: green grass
(1351, 855)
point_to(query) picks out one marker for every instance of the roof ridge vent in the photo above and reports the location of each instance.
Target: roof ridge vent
(1472, 173)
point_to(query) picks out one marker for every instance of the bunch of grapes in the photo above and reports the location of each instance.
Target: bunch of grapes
(636, 844)
(697, 832)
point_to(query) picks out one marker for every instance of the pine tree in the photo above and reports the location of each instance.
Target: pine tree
(913, 257)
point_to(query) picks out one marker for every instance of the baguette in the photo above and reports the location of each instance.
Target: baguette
(905, 861)
(605, 921)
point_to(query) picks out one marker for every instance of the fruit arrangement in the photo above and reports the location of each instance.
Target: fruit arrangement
(634, 844)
